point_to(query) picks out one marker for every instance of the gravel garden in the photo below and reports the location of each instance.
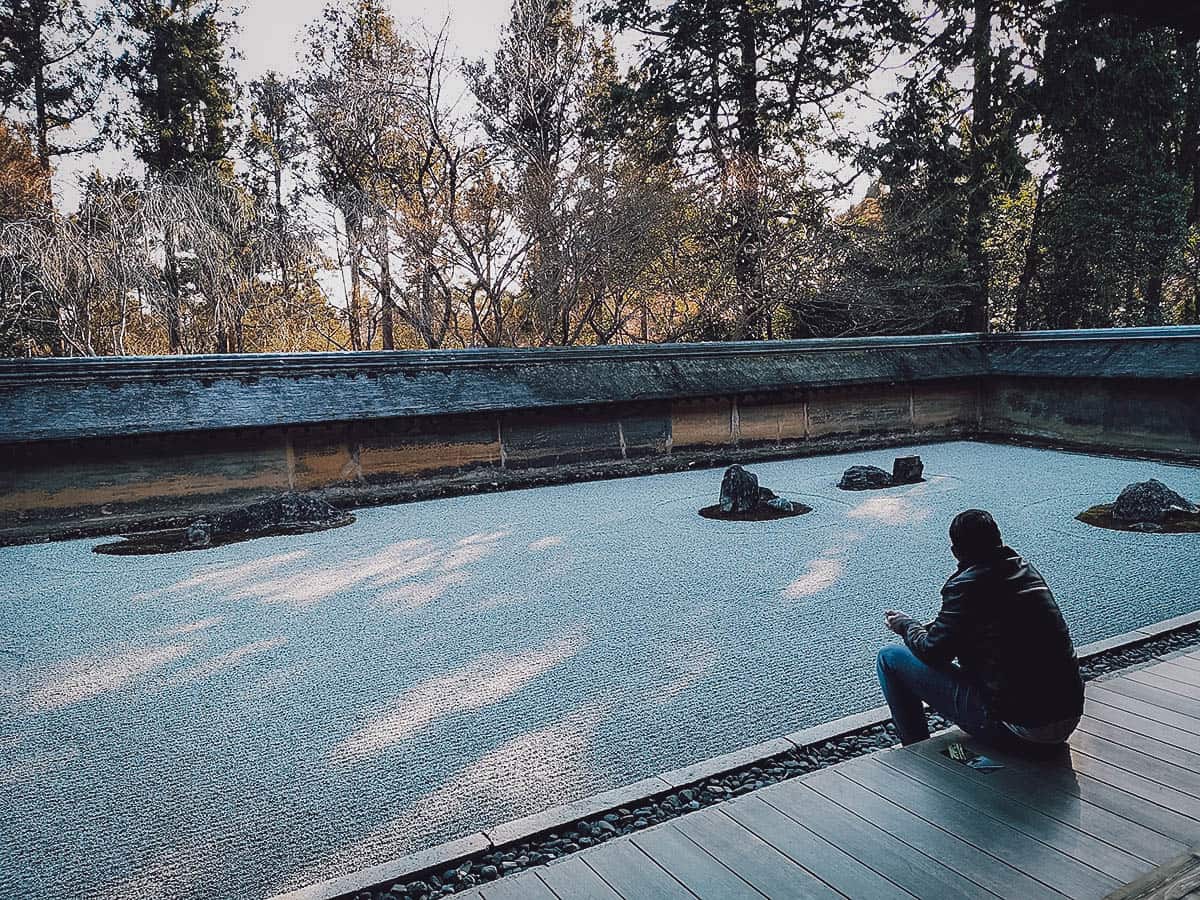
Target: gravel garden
(304, 705)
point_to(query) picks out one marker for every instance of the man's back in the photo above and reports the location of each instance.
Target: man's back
(1011, 636)
(1017, 675)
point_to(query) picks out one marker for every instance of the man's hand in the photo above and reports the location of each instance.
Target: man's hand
(896, 621)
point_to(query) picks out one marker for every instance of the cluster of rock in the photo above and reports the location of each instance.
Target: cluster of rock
(742, 497)
(1186, 638)
(905, 470)
(289, 513)
(1150, 506)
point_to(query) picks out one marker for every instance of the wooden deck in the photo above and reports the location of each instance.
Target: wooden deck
(911, 822)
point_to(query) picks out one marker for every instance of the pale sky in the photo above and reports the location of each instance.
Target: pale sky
(270, 28)
(270, 37)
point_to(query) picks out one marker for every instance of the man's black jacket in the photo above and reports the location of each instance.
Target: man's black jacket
(1000, 620)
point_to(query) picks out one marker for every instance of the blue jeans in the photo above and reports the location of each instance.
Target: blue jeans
(906, 681)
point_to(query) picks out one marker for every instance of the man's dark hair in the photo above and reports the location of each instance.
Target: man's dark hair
(974, 533)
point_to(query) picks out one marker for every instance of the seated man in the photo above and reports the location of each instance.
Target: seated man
(1017, 674)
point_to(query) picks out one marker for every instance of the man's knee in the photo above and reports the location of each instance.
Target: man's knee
(891, 657)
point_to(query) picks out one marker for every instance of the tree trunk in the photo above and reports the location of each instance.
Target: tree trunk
(122, 323)
(978, 193)
(716, 49)
(285, 275)
(41, 123)
(748, 254)
(1032, 259)
(85, 327)
(1153, 299)
(353, 314)
(1191, 311)
(385, 297)
(545, 283)
(174, 337)
(1189, 151)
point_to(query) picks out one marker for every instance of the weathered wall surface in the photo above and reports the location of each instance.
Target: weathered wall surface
(49, 399)
(96, 445)
(1155, 417)
(1133, 391)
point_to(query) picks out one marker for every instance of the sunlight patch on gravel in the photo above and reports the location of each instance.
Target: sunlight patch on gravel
(200, 725)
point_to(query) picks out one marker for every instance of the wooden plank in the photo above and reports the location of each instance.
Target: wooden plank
(1154, 679)
(1166, 797)
(1191, 660)
(1176, 672)
(890, 857)
(1068, 839)
(1178, 880)
(1043, 862)
(1167, 734)
(827, 861)
(1141, 708)
(526, 886)
(985, 870)
(693, 867)
(1143, 743)
(571, 879)
(753, 859)
(1173, 826)
(1147, 765)
(1086, 805)
(1154, 695)
(631, 873)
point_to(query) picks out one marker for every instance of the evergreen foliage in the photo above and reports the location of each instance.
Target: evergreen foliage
(1028, 164)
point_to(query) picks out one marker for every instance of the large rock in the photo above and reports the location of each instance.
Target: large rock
(743, 498)
(788, 507)
(739, 491)
(863, 478)
(199, 534)
(289, 510)
(1149, 502)
(282, 514)
(907, 470)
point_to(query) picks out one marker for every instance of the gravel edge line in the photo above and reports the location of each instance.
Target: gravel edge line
(483, 865)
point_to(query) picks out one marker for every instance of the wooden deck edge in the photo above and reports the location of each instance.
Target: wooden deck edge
(1137, 635)
(526, 827)
(393, 870)
(1176, 878)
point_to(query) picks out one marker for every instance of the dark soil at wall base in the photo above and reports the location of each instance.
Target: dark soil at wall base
(1101, 516)
(489, 865)
(761, 513)
(174, 540)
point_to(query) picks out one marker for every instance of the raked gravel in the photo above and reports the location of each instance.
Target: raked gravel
(517, 856)
(244, 720)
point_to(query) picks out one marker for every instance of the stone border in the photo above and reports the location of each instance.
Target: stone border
(599, 817)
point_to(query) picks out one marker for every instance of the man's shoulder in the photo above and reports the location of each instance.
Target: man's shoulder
(1006, 568)
(967, 575)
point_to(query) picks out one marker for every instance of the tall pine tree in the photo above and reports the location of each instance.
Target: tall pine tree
(52, 68)
(745, 84)
(1119, 102)
(174, 62)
